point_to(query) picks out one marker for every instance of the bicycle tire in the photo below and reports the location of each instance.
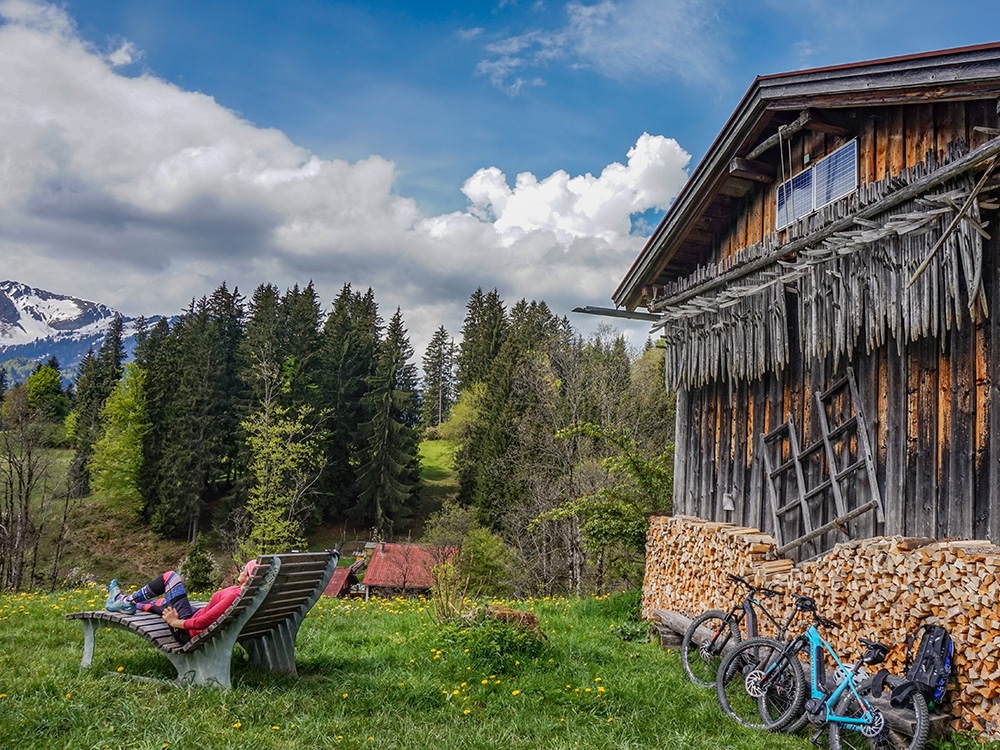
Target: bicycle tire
(844, 738)
(701, 661)
(736, 686)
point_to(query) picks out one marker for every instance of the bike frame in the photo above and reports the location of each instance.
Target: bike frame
(815, 645)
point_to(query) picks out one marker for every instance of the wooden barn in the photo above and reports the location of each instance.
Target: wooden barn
(827, 286)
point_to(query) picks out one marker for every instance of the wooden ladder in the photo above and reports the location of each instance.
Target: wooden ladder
(834, 473)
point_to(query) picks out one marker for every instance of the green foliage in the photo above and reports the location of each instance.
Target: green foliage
(45, 393)
(116, 462)
(447, 592)
(493, 645)
(438, 391)
(198, 568)
(485, 563)
(615, 514)
(464, 414)
(285, 460)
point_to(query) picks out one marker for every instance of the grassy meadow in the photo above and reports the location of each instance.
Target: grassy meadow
(380, 674)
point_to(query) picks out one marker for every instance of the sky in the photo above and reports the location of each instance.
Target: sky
(152, 150)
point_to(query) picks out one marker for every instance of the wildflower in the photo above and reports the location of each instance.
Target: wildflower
(600, 690)
(466, 711)
(516, 692)
(121, 669)
(345, 695)
(275, 727)
(597, 679)
(68, 695)
(611, 718)
(237, 725)
(485, 681)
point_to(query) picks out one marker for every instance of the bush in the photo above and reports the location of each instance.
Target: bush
(493, 645)
(198, 569)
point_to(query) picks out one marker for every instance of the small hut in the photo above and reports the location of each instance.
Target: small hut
(827, 289)
(395, 569)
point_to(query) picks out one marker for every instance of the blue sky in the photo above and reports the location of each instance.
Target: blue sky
(153, 149)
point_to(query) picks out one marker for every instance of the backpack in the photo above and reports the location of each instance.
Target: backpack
(930, 670)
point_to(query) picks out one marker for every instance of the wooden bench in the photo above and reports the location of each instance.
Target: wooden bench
(265, 620)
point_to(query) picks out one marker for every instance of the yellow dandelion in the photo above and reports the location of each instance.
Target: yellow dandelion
(466, 711)
(600, 690)
(68, 695)
(121, 669)
(485, 681)
(237, 725)
(516, 692)
(275, 727)
(611, 718)
(597, 679)
(344, 695)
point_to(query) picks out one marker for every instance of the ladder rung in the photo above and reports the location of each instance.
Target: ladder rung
(776, 432)
(834, 388)
(853, 467)
(825, 484)
(852, 422)
(782, 468)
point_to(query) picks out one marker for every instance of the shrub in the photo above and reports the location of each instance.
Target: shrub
(198, 568)
(493, 645)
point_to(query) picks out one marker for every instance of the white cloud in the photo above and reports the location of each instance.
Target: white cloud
(139, 194)
(619, 39)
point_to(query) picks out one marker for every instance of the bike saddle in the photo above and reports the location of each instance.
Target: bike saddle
(875, 652)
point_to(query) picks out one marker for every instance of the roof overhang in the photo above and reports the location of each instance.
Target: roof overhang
(772, 101)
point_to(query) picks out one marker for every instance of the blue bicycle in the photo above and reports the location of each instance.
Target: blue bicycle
(761, 684)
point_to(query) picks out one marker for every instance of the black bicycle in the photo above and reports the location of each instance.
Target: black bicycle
(715, 632)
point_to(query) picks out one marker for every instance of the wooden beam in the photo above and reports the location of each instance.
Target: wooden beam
(808, 120)
(973, 159)
(752, 170)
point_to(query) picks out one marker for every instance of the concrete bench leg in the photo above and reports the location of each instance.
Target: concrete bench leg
(89, 628)
(210, 665)
(276, 650)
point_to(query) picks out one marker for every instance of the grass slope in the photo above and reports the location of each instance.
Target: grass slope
(375, 675)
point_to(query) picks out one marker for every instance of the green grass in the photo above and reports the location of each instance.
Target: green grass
(375, 675)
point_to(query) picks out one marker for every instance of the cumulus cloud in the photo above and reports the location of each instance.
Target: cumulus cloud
(139, 194)
(619, 39)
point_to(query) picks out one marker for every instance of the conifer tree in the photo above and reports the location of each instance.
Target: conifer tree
(482, 337)
(389, 469)
(349, 344)
(438, 392)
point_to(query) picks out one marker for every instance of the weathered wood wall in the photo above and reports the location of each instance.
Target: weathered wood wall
(890, 139)
(932, 405)
(934, 422)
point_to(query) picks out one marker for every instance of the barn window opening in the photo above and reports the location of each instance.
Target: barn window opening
(830, 178)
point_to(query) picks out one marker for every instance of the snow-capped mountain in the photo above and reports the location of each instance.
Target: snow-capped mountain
(36, 324)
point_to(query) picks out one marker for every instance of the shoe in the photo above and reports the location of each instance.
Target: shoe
(123, 606)
(114, 594)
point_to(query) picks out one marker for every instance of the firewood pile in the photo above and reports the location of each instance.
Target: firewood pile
(879, 588)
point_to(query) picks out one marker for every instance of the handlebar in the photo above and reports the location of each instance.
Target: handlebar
(753, 589)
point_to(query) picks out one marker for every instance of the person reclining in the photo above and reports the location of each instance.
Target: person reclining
(166, 596)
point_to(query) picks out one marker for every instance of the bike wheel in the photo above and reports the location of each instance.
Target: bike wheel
(739, 689)
(701, 658)
(884, 736)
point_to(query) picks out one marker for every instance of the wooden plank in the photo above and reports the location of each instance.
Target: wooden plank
(919, 133)
(681, 451)
(882, 125)
(987, 478)
(927, 486)
(896, 153)
(867, 152)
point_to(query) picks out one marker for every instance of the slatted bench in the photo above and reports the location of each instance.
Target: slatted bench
(264, 619)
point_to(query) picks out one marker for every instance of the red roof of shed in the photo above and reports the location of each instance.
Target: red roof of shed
(404, 566)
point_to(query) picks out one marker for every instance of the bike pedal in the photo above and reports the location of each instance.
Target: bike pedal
(815, 739)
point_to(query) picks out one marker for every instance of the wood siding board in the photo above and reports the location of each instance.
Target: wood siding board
(979, 496)
(681, 451)
(867, 372)
(883, 122)
(867, 151)
(741, 426)
(987, 515)
(958, 501)
(979, 113)
(724, 483)
(895, 147)
(944, 444)
(927, 396)
(755, 494)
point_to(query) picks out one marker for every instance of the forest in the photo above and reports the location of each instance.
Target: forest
(249, 423)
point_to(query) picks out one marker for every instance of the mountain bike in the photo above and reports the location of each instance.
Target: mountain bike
(701, 653)
(761, 684)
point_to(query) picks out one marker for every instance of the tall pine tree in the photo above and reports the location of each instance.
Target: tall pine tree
(389, 470)
(438, 392)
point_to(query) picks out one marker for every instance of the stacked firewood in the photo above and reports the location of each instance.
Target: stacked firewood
(880, 588)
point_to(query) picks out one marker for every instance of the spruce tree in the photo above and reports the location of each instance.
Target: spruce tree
(438, 392)
(348, 354)
(482, 337)
(389, 469)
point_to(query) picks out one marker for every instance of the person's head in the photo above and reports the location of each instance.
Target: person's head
(247, 571)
